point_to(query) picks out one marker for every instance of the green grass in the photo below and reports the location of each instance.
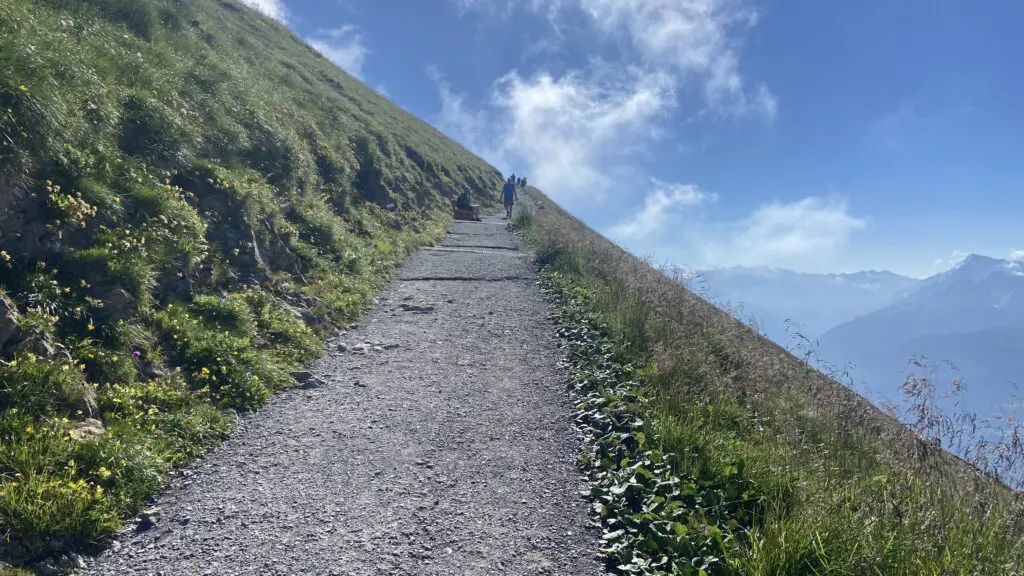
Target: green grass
(190, 198)
(713, 451)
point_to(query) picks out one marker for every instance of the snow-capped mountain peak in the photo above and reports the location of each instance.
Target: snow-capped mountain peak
(975, 268)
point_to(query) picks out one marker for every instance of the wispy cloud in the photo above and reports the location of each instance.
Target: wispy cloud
(580, 133)
(573, 133)
(583, 135)
(804, 234)
(696, 41)
(692, 38)
(1017, 255)
(275, 9)
(660, 204)
(954, 258)
(470, 127)
(576, 131)
(909, 122)
(343, 46)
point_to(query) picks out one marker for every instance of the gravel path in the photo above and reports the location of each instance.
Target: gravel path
(446, 447)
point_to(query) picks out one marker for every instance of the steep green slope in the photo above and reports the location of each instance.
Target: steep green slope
(713, 452)
(189, 196)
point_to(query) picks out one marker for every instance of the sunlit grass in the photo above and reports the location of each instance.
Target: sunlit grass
(190, 197)
(841, 487)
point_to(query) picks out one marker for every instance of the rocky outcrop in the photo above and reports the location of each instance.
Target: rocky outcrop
(88, 429)
(10, 323)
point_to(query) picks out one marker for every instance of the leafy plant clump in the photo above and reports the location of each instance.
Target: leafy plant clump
(190, 199)
(656, 521)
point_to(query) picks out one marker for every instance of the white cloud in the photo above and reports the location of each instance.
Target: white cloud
(572, 133)
(276, 9)
(578, 133)
(691, 38)
(804, 234)
(343, 46)
(659, 205)
(697, 41)
(1017, 256)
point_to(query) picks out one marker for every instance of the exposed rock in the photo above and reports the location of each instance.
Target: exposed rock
(342, 347)
(149, 518)
(301, 376)
(85, 402)
(63, 354)
(47, 569)
(24, 232)
(311, 319)
(88, 429)
(38, 344)
(422, 309)
(293, 310)
(391, 346)
(153, 371)
(10, 323)
(314, 382)
(118, 303)
(177, 286)
(77, 561)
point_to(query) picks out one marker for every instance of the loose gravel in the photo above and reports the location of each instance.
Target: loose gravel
(433, 438)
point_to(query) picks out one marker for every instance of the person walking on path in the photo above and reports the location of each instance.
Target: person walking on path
(509, 196)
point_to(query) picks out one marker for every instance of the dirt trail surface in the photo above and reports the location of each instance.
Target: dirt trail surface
(444, 446)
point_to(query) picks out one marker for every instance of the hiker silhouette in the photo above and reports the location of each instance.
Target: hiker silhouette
(509, 195)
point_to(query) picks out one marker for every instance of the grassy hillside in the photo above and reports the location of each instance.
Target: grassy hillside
(713, 451)
(189, 197)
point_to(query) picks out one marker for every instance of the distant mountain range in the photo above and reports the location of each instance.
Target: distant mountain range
(971, 316)
(812, 303)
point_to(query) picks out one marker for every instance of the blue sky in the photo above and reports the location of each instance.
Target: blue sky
(817, 136)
